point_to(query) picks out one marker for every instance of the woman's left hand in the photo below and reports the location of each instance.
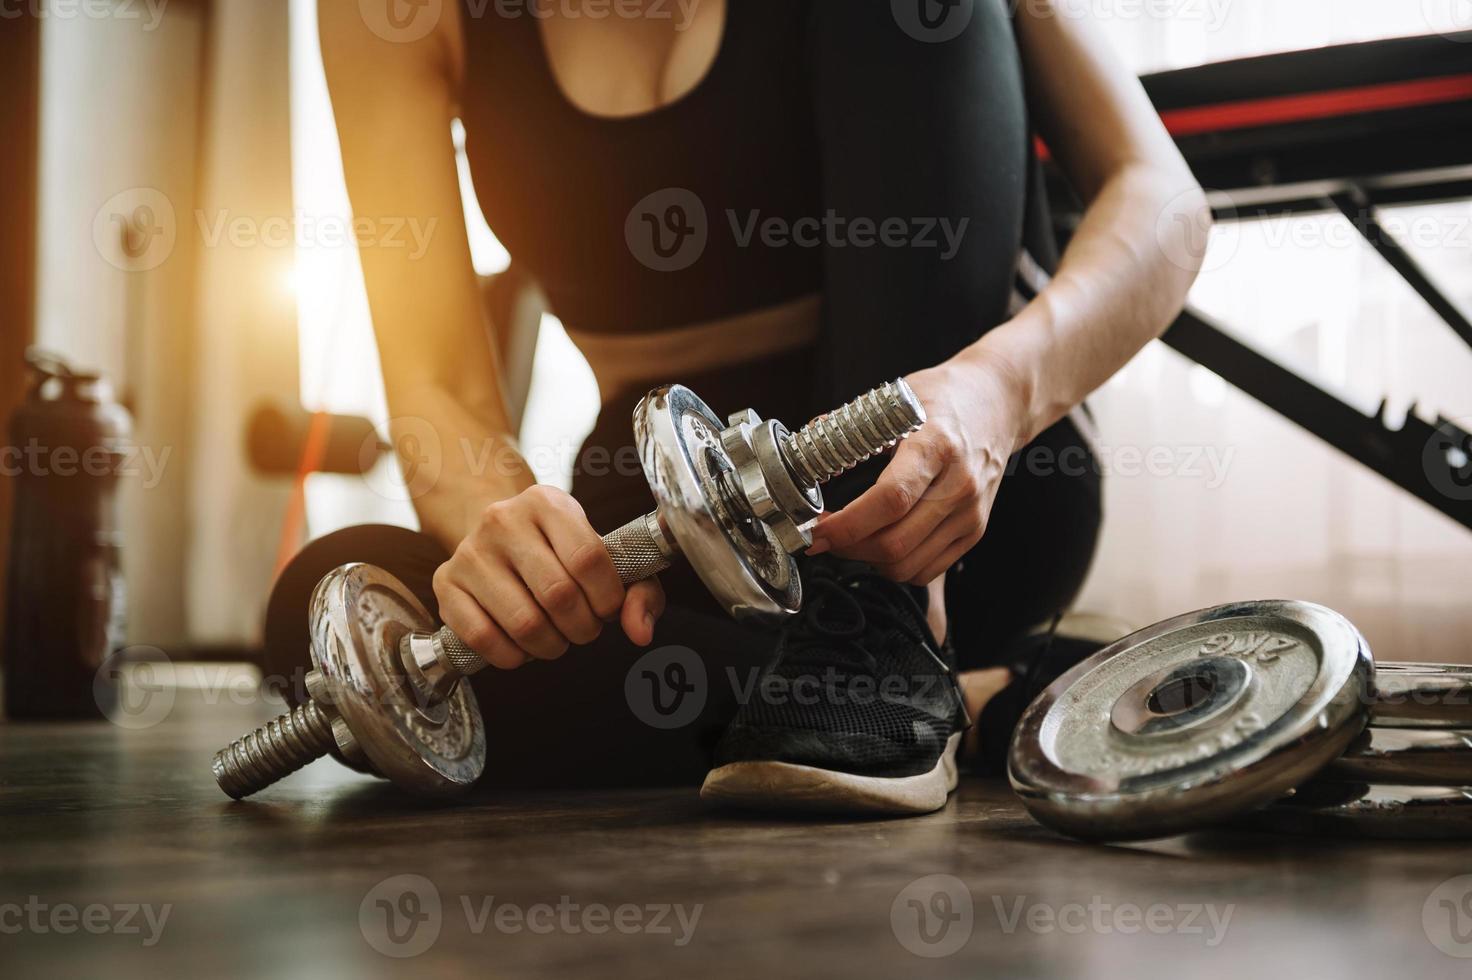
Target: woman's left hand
(930, 505)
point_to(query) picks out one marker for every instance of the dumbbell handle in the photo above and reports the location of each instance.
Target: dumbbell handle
(826, 447)
(640, 549)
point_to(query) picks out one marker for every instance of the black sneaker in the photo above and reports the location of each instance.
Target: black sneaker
(858, 711)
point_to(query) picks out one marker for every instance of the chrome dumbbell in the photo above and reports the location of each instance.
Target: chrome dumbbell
(736, 499)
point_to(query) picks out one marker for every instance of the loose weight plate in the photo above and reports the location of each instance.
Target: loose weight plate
(1414, 695)
(1193, 720)
(1407, 757)
(1362, 810)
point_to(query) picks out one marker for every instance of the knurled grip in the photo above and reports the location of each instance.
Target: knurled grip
(636, 550)
(636, 553)
(462, 659)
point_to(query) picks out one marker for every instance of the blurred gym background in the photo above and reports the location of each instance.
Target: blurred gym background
(216, 118)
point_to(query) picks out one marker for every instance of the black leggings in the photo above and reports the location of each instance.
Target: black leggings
(908, 129)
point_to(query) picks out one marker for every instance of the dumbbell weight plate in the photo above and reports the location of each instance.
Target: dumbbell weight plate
(1192, 720)
(1361, 810)
(359, 613)
(691, 477)
(1410, 695)
(1405, 756)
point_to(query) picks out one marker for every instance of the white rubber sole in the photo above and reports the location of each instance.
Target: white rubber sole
(786, 786)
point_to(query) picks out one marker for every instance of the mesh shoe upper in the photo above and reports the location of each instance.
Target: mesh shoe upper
(856, 684)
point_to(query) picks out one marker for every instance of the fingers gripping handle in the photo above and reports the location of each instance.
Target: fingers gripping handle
(639, 550)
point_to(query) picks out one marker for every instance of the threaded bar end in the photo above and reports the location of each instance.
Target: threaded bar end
(274, 751)
(835, 443)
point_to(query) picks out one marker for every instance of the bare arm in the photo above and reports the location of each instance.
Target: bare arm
(1122, 280)
(1127, 270)
(529, 576)
(394, 103)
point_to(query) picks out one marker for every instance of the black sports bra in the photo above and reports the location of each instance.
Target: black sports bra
(656, 220)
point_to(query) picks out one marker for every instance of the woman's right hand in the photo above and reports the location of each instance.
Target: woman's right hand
(532, 577)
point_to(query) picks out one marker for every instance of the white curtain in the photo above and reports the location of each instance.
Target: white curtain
(1282, 515)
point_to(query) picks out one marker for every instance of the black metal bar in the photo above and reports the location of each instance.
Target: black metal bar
(1360, 213)
(1420, 192)
(1378, 159)
(1431, 462)
(1254, 205)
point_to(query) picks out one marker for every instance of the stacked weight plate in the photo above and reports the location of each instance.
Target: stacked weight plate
(1408, 775)
(1266, 712)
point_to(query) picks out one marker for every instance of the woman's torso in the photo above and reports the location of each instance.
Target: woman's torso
(636, 225)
